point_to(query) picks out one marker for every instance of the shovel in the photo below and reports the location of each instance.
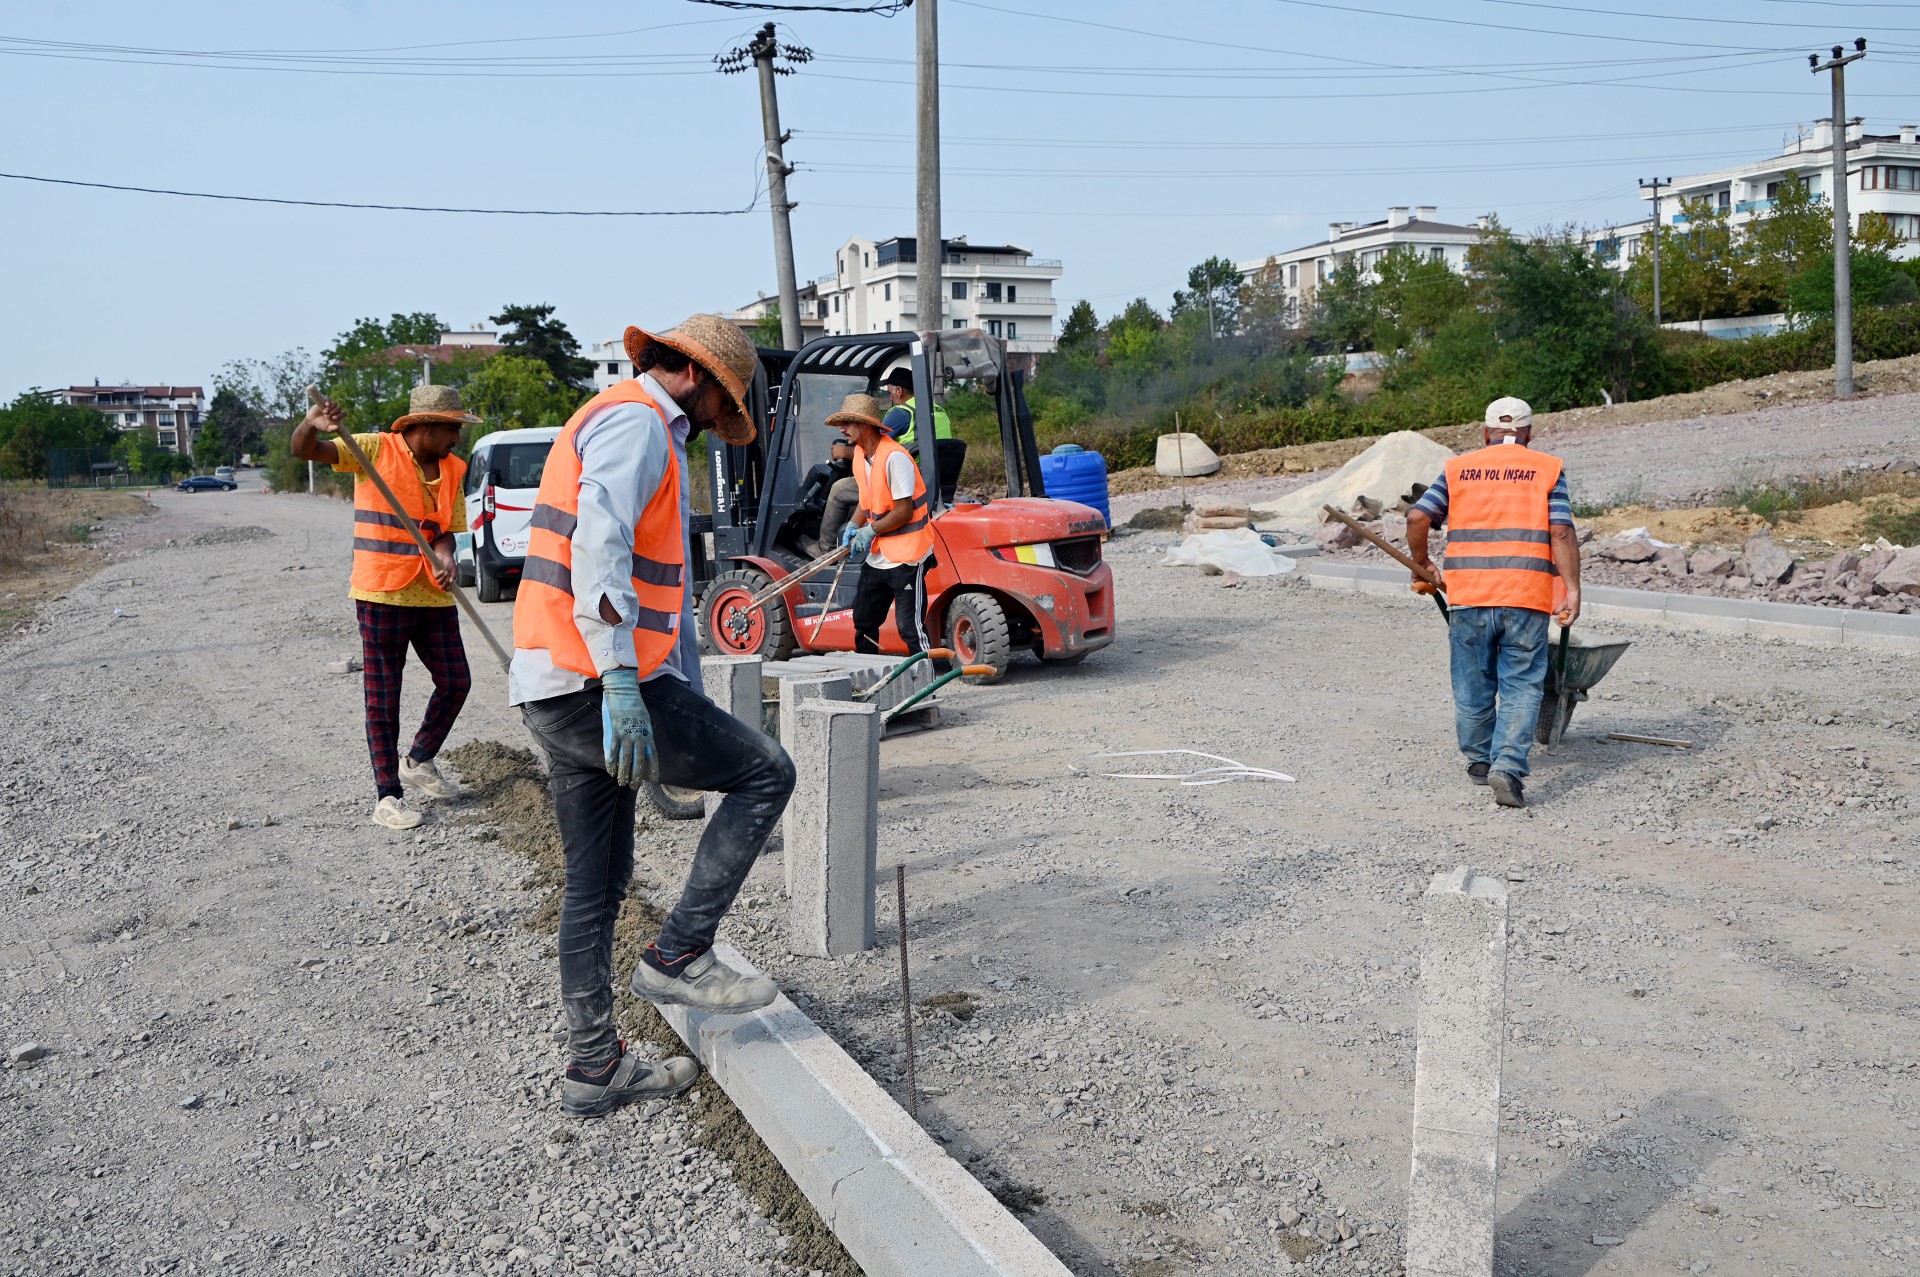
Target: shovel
(1439, 590)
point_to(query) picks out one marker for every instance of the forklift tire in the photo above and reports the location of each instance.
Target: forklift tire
(674, 802)
(769, 634)
(485, 584)
(977, 633)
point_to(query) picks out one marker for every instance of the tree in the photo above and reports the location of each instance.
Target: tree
(1265, 315)
(1133, 335)
(232, 427)
(1344, 309)
(1876, 278)
(140, 452)
(513, 392)
(276, 388)
(767, 330)
(1081, 328)
(35, 425)
(1413, 296)
(1212, 290)
(369, 336)
(533, 331)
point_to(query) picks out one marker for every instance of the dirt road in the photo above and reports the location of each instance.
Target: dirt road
(1175, 1024)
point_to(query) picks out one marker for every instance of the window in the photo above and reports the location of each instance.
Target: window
(1436, 254)
(1013, 331)
(1905, 225)
(133, 418)
(993, 328)
(889, 325)
(1725, 199)
(960, 290)
(866, 259)
(886, 293)
(1890, 178)
(166, 419)
(1013, 293)
(613, 368)
(1293, 274)
(959, 323)
(836, 303)
(993, 292)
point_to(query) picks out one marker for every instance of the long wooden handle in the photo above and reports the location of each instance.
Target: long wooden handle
(413, 529)
(794, 578)
(1389, 548)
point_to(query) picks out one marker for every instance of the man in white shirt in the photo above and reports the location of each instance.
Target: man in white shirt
(890, 529)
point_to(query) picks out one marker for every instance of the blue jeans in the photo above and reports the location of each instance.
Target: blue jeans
(701, 746)
(1499, 676)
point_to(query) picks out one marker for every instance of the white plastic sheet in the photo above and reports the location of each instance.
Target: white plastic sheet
(1231, 550)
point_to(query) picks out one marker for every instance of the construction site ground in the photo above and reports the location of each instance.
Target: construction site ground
(1173, 1025)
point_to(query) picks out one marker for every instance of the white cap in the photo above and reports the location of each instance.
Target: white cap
(1518, 409)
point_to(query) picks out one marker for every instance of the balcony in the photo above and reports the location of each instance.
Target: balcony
(1035, 306)
(1753, 206)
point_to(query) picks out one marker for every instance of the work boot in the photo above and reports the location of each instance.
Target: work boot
(395, 814)
(1507, 790)
(428, 779)
(701, 981)
(1477, 773)
(624, 1078)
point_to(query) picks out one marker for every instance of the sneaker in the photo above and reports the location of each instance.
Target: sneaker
(1507, 790)
(1477, 773)
(395, 814)
(701, 981)
(428, 779)
(624, 1079)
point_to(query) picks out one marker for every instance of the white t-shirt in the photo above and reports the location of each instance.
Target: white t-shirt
(900, 476)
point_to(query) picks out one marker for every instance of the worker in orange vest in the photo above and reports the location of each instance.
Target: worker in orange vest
(890, 531)
(401, 598)
(606, 672)
(1511, 562)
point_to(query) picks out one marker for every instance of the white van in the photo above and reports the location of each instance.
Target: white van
(503, 479)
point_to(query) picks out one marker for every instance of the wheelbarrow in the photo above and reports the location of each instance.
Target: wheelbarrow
(1574, 666)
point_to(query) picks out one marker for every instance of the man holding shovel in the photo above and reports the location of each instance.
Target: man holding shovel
(606, 672)
(400, 597)
(1511, 561)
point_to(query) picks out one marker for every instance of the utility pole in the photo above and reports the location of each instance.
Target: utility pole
(1842, 249)
(929, 249)
(1654, 184)
(763, 52)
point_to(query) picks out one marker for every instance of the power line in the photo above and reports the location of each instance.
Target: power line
(393, 208)
(1503, 26)
(883, 8)
(1680, 17)
(1136, 145)
(1278, 174)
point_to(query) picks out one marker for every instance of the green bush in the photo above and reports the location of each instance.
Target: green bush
(1695, 362)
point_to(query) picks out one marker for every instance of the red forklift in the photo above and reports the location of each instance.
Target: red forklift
(1016, 573)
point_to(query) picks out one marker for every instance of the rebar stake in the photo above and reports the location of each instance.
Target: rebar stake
(906, 990)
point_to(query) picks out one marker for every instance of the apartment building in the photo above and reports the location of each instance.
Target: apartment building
(1300, 271)
(175, 412)
(1883, 178)
(813, 313)
(1002, 289)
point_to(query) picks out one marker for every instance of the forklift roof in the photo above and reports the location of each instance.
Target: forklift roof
(959, 354)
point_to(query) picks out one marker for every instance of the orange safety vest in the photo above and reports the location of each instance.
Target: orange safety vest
(912, 541)
(1499, 540)
(384, 556)
(543, 613)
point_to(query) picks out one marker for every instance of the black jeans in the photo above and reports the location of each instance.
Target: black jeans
(902, 589)
(700, 746)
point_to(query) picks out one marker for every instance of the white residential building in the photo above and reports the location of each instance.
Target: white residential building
(610, 362)
(1883, 177)
(813, 313)
(1001, 288)
(1417, 227)
(175, 412)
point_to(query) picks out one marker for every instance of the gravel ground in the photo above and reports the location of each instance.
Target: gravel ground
(1173, 1025)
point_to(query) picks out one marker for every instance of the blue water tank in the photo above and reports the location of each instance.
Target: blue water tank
(1071, 473)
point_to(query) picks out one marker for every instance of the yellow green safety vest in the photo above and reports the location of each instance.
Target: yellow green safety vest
(942, 424)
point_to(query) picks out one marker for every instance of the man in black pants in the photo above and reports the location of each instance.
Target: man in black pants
(830, 489)
(890, 529)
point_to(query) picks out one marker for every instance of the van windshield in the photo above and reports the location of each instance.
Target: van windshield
(520, 465)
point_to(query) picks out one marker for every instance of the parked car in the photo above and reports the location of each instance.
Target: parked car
(503, 479)
(206, 483)
(223, 472)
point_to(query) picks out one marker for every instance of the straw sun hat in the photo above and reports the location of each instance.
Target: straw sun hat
(860, 410)
(435, 403)
(718, 346)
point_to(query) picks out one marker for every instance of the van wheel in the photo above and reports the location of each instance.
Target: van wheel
(486, 584)
(728, 629)
(977, 633)
(463, 573)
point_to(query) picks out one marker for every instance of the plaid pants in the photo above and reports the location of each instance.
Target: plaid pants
(386, 631)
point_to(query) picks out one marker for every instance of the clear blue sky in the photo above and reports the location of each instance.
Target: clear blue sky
(1130, 139)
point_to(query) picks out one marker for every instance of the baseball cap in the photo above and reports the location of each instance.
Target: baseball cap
(1518, 409)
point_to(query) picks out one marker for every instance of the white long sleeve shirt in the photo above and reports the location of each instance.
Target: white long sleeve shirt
(624, 450)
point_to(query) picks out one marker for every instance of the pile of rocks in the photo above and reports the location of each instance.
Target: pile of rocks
(1884, 579)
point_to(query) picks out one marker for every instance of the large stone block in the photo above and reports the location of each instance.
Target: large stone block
(1451, 1204)
(1183, 454)
(794, 692)
(1901, 575)
(1765, 563)
(834, 830)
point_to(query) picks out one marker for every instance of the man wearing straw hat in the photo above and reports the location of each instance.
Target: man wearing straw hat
(606, 672)
(889, 529)
(400, 598)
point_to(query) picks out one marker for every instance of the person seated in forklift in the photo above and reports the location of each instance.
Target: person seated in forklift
(900, 419)
(890, 529)
(829, 491)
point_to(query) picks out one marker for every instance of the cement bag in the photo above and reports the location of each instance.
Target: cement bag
(1230, 550)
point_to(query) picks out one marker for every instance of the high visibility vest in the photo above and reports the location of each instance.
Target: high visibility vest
(942, 424)
(1499, 540)
(911, 542)
(384, 556)
(543, 612)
